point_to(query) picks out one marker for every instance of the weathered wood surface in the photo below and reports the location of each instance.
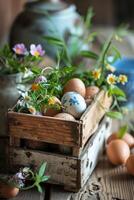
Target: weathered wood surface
(45, 129)
(94, 114)
(63, 169)
(71, 172)
(106, 183)
(90, 156)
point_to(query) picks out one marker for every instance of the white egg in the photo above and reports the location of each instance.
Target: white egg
(74, 104)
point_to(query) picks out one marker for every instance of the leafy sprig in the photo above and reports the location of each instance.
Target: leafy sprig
(102, 61)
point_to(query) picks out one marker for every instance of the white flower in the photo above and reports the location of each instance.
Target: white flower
(111, 79)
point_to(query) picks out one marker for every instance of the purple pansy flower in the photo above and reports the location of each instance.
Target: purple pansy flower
(36, 50)
(40, 79)
(20, 49)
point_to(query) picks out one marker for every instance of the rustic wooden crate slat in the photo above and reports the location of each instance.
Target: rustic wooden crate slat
(45, 129)
(58, 131)
(69, 171)
(94, 114)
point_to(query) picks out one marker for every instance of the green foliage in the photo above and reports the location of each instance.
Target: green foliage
(89, 54)
(10, 63)
(114, 115)
(37, 178)
(114, 90)
(89, 16)
(63, 53)
(122, 131)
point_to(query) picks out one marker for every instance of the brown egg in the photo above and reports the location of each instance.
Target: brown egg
(51, 111)
(130, 165)
(129, 139)
(112, 137)
(118, 152)
(91, 91)
(75, 85)
(65, 116)
(88, 101)
(7, 191)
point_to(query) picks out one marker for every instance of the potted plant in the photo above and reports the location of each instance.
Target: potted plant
(13, 64)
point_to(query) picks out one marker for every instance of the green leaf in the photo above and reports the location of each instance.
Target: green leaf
(54, 40)
(116, 91)
(90, 14)
(89, 54)
(39, 188)
(122, 99)
(122, 131)
(45, 178)
(36, 70)
(42, 169)
(91, 37)
(114, 115)
(117, 53)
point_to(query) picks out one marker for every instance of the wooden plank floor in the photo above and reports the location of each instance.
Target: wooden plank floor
(108, 183)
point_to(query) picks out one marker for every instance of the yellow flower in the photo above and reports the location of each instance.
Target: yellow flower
(96, 74)
(51, 101)
(122, 79)
(32, 110)
(35, 87)
(110, 68)
(111, 79)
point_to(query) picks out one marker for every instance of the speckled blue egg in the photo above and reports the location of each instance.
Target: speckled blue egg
(74, 104)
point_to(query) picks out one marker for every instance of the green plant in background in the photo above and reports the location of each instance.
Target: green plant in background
(68, 53)
(18, 59)
(103, 73)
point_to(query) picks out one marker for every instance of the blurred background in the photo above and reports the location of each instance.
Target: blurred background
(107, 12)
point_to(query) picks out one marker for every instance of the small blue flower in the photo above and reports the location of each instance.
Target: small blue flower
(73, 101)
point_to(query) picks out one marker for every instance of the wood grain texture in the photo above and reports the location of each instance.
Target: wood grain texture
(107, 183)
(71, 172)
(57, 193)
(92, 152)
(94, 114)
(45, 129)
(62, 169)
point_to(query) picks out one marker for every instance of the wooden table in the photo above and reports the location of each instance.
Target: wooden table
(106, 183)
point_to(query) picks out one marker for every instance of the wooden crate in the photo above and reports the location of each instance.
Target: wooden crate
(69, 171)
(73, 134)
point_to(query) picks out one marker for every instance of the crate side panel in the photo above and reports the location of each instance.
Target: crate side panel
(93, 150)
(45, 129)
(94, 114)
(62, 169)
